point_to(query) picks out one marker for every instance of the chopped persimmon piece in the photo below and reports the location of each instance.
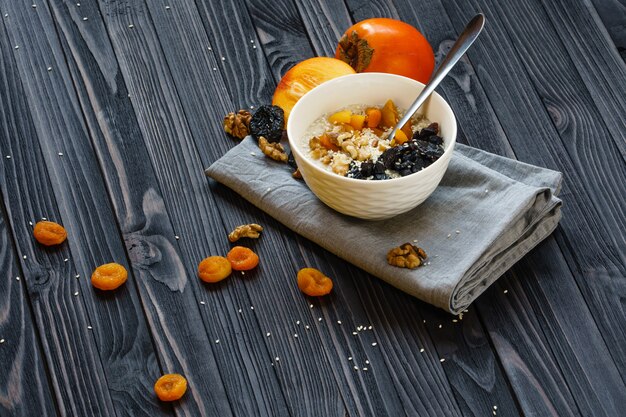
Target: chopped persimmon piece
(214, 269)
(373, 117)
(170, 387)
(400, 138)
(326, 141)
(242, 259)
(109, 276)
(357, 121)
(49, 233)
(313, 282)
(389, 114)
(340, 117)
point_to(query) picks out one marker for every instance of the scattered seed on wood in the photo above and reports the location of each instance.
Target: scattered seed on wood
(217, 341)
(350, 358)
(17, 278)
(505, 291)
(76, 294)
(2, 340)
(202, 302)
(338, 321)
(85, 19)
(442, 360)
(374, 344)
(268, 334)
(89, 327)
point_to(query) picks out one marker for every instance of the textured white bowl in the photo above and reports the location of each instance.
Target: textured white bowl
(366, 199)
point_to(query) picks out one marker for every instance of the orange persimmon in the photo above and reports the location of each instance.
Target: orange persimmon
(313, 282)
(242, 258)
(109, 276)
(387, 45)
(305, 76)
(214, 269)
(49, 233)
(170, 387)
(373, 117)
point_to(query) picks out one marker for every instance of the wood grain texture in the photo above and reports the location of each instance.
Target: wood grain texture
(250, 394)
(612, 13)
(25, 389)
(594, 56)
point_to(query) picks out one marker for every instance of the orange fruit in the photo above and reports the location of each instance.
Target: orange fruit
(49, 233)
(305, 76)
(170, 387)
(313, 282)
(108, 277)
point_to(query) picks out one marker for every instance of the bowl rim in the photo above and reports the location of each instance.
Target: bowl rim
(393, 77)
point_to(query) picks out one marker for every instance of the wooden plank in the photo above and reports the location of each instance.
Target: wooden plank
(594, 56)
(48, 279)
(102, 92)
(612, 13)
(24, 386)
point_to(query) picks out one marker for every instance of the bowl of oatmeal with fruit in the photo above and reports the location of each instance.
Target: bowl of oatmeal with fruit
(338, 134)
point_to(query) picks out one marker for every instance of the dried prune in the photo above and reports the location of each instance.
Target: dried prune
(268, 121)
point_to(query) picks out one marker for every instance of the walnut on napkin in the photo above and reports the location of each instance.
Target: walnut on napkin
(406, 256)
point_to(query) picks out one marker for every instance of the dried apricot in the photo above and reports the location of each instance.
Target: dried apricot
(214, 269)
(326, 141)
(389, 114)
(357, 121)
(340, 117)
(109, 276)
(313, 282)
(49, 233)
(400, 138)
(242, 259)
(170, 387)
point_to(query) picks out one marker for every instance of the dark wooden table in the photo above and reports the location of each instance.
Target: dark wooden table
(109, 112)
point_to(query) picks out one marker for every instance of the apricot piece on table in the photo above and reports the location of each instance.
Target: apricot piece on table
(313, 282)
(242, 258)
(49, 233)
(214, 269)
(170, 387)
(108, 277)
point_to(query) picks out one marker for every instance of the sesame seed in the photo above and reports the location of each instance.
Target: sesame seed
(239, 310)
(319, 319)
(349, 358)
(422, 350)
(311, 306)
(85, 19)
(440, 326)
(17, 47)
(251, 40)
(210, 49)
(24, 256)
(76, 294)
(17, 278)
(359, 328)
(131, 26)
(295, 335)
(365, 369)
(457, 232)
(455, 321)
(442, 360)
(487, 191)
(374, 344)
(495, 407)
(251, 107)
(251, 307)
(65, 260)
(89, 327)
(354, 333)
(217, 341)
(60, 153)
(167, 7)
(49, 69)
(1, 340)
(253, 46)
(298, 322)
(223, 59)
(77, 4)
(176, 237)
(277, 359)
(449, 234)
(214, 69)
(34, 6)
(356, 368)
(268, 334)
(269, 189)
(30, 223)
(243, 273)
(8, 156)
(367, 361)
(338, 321)
(202, 302)
(505, 291)
(77, 276)
(414, 240)
(307, 327)
(6, 15)
(369, 327)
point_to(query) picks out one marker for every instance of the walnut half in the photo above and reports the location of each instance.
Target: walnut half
(238, 124)
(251, 230)
(273, 150)
(406, 256)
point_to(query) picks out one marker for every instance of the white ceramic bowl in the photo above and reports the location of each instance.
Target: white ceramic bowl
(367, 199)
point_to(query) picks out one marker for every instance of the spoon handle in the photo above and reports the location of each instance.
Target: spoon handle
(462, 44)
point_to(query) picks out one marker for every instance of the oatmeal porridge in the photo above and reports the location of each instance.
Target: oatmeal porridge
(352, 142)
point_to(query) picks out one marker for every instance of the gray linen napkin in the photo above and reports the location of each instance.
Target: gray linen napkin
(486, 214)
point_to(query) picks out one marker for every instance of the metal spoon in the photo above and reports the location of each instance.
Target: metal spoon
(462, 44)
